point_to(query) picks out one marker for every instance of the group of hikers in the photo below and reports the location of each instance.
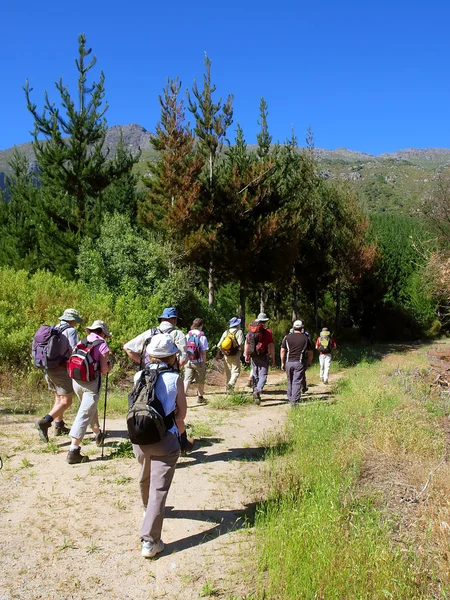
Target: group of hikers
(157, 404)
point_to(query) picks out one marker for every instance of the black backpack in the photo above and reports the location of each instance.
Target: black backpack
(144, 359)
(146, 421)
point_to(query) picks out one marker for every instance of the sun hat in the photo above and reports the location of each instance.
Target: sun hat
(324, 328)
(99, 325)
(70, 314)
(169, 313)
(262, 317)
(234, 322)
(297, 324)
(161, 345)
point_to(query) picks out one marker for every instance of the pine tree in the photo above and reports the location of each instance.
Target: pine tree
(212, 120)
(263, 137)
(72, 159)
(174, 186)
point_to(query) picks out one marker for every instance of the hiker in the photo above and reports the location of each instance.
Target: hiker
(293, 354)
(195, 368)
(158, 460)
(58, 379)
(260, 351)
(325, 344)
(231, 345)
(89, 391)
(135, 348)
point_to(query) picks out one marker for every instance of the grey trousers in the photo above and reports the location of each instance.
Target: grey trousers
(158, 467)
(295, 372)
(260, 368)
(89, 395)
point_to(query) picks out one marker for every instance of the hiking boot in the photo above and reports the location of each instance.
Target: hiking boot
(149, 549)
(99, 437)
(43, 426)
(188, 446)
(250, 382)
(201, 400)
(229, 388)
(61, 429)
(325, 381)
(304, 389)
(74, 457)
(257, 398)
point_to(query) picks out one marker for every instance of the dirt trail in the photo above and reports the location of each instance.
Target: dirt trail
(71, 532)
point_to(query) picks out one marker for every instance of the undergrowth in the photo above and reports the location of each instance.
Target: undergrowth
(321, 533)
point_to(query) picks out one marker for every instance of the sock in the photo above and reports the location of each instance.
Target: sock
(49, 418)
(73, 447)
(59, 423)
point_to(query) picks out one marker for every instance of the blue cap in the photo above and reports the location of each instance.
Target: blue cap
(234, 322)
(169, 313)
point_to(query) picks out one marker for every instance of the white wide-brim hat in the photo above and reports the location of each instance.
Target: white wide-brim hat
(161, 345)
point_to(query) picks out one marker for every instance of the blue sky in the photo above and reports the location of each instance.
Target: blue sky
(372, 77)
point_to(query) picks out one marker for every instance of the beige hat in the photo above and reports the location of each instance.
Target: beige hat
(297, 324)
(99, 325)
(262, 317)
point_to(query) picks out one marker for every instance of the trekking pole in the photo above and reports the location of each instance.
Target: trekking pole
(104, 415)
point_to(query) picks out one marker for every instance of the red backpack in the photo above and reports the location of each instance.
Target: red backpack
(255, 338)
(81, 364)
(193, 347)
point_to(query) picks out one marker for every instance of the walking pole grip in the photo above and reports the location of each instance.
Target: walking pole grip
(104, 414)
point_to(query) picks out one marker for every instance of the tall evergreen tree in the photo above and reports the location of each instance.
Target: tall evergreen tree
(174, 185)
(212, 120)
(72, 159)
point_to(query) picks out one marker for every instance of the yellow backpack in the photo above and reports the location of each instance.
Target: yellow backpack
(229, 346)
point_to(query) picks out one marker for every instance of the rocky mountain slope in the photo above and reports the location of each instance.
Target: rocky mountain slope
(396, 181)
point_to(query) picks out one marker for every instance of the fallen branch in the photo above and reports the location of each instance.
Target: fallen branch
(416, 498)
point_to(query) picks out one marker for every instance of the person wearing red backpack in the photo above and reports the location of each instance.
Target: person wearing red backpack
(260, 351)
(58, 380)
(195, 369)
(89, 391)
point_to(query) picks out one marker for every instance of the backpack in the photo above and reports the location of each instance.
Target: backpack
(193, 347)
(325, 342)
(146, 422)
(50, 347)
(81, 365)
(229, 346)
(144, 357)
(255, 338)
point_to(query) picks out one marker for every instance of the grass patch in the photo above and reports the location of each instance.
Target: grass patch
(123, 450)
(321, 533)
(200, 429)
(231, 400)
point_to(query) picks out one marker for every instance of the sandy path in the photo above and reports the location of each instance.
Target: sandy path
(71, 532)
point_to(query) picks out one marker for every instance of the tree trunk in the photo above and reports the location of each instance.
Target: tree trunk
(262, 303)
(294, 300)
(242, 299)
(338, 303)
(211, 285)
(316, 311)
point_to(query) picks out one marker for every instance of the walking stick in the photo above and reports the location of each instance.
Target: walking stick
(104, 415)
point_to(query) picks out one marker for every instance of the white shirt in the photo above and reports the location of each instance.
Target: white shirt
(137, 343)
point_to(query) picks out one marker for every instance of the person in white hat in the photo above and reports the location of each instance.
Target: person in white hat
(89, 393)
(158, 460)
(58, 380)
(293, 354)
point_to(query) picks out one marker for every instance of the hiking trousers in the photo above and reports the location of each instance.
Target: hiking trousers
(324, 361)
(295, 372)
(157, 469)
(232, 366)
(89, 393)
(260, 369)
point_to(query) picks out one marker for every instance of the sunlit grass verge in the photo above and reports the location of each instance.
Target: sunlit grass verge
(231, 400)
(321, 534)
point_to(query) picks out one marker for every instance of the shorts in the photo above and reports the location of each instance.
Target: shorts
(59, 381)
(195, 372)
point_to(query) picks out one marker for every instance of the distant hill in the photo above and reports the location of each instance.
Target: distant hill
(396, 181)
